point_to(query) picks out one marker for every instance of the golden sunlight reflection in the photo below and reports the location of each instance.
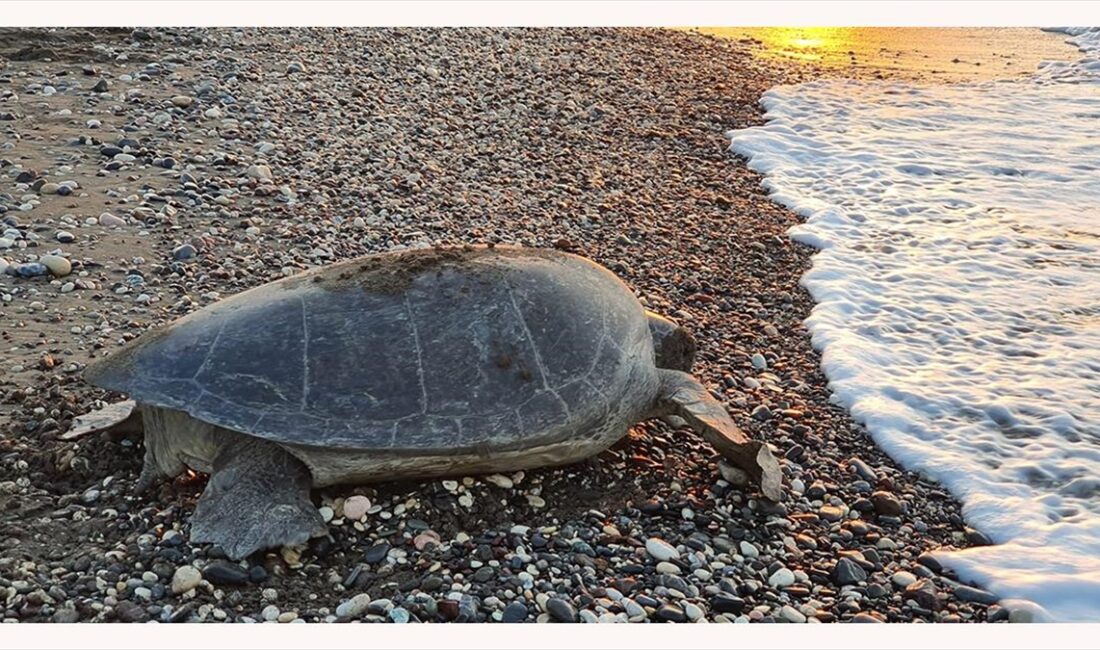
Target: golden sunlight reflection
(951, 54)
(806, 43)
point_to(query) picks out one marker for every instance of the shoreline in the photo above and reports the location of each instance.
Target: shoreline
(608, 143)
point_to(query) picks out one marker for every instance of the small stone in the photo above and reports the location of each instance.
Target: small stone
(668, 568)
(886, 504)
(831, 513)
(791, 614)
(355, 607)
(923, 592)
(749, 550)
(863, 469)
(100, 87)
(783, 577)
(847, 572)
(376, 553)
(58, 266)
(561, 610)
(185, 579)
(500, 481)
(903, 579)
(182, 101)
(515, 612)
(270, 613)
(356, 507)
(759, 362)
(671, 613)
(49, 188)
(735, 476)
(129, 612)
(633, 609)
(221, 572)
(694, 612)
(184, 252)
(727, 603)
(421, 541)
(262, 172)
(110, 220)
(970, 594)
(863, 617)
(399, 615)
(661, 550)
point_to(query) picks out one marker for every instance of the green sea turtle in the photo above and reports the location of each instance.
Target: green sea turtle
(409, 364)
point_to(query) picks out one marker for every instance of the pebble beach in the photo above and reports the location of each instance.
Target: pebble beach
(147, 173)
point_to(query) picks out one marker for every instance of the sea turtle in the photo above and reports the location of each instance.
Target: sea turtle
(410, 364)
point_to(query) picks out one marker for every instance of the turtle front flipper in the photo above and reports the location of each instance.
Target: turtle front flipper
(257, 498)
(682, 395)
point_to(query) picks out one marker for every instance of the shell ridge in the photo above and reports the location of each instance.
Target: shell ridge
(419, 357)
(527, 333)
(305, 356)
(209, 353)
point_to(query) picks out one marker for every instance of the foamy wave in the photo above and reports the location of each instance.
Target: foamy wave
(958, 292)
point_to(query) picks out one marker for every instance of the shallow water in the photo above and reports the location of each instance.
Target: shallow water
(912, 53)
(958, 291)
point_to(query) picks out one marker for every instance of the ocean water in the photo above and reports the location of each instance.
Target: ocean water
(958, 297)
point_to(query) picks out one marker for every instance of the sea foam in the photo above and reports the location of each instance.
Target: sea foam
(958, 296)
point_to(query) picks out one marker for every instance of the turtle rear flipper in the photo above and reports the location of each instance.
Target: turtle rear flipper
(687, 398)
(257, 498)
(120, 416)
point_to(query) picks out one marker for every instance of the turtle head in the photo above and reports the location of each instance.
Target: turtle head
(673, 346)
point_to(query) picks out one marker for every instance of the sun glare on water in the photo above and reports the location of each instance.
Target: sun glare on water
(806, 43)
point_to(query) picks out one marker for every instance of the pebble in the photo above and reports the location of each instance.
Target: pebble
(970, 594)
(735, 476)
(184, 252)
(399, 615)
(791, 614)
(185, 579)
(500, 481)
(182, 101)
(262, 172)
(356, 507)
(65, 237)
(376, 553)
(561, 610)
(355, 607)
(694, 612)
(671, 613)
(749, 550)
(668, 568)
(903, 578)
(783, 577)
(111, 221)
(270, 613)
(58, 266)
(515, 612)
(221, 572)
(661, 550)
(848, 572)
